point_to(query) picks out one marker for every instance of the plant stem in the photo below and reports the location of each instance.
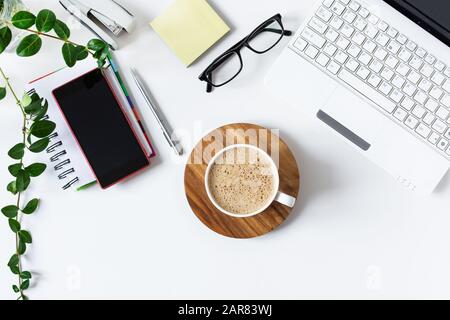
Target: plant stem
(12, 91)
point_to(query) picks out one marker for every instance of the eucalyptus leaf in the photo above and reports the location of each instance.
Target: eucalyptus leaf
(14, 269)
(14, 260)
(11, 187)
(2, 93)
(39, 145)
(22, 247)
(25, 236)
(25, 285)
(26, 100)
(82, 53)
(17, 152)
(61, 30)
(70, 53)
(10, 211)
(31, 206)
(14, 225)
(23, 20)
(34, 107)
(36, 169)
(5, 38)
(22, 180)
(16, 288)
(29, 46)
(96, 45)
(26, 275)
(45, 20)
(42, 128)
(14, 169)
(40, 114)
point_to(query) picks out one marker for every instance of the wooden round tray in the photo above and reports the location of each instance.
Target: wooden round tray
(198, 161)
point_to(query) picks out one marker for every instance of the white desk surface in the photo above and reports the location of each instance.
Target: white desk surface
(355, 233)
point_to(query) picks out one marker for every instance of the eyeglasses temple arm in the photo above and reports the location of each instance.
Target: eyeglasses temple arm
(283, 32)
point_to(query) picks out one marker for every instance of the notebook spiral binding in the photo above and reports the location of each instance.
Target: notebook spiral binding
(57, 158)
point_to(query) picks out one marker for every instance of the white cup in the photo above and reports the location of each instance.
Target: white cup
(277, 195)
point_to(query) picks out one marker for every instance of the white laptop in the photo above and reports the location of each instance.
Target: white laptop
(376, 73)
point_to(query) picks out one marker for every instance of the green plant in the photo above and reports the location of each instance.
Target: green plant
(35, 129)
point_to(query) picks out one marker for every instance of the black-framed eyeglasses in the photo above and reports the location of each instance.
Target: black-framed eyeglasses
(228, 65)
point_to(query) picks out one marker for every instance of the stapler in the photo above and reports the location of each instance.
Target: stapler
(107, 12)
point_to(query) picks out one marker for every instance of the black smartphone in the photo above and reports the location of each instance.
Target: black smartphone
(101, 128)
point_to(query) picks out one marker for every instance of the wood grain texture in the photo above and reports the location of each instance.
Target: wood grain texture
(194, 178)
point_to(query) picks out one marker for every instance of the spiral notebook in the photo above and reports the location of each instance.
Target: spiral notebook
(63, 154)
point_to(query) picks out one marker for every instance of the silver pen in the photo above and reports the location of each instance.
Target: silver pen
(161, 122)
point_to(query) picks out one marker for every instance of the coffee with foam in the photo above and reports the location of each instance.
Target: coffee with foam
(242, 180)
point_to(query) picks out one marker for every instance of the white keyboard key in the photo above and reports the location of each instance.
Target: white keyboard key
(400, 114)
(436, 93)
(311, 52)
(447, 134)
(380, 53)
(336, 23)
(425, 85)
(403, 69)
(411, 46)
(448, 151)
(365, 58)
(407, 103)
(329, 49)
(382, 39)
(363, 72)
(446, 85)
(387, 74)
(392, 62)
(337, 8)
(347, 30)
(438, 78)
(313, 38)
(353, 50)
(409, 89)
(434, 138)
(411, 122)
(331, 35)
(431, 105)
(430, 59)
(420, 97)
(402, 38)
(318, 25)
(327, 3)
(358, 38)
(429, 118)
(442, 144)
(360, 24)
(392, 32)
(447, 72)
(373, 19)
(352, 65)
(439, 126)
(414, 77)
(354, 6)
(445, 100)
(385, 88)
(419, 112)
(427, 70)
(300, 44)
(367, 91)
(322, 59)
(396, 96)
(349, 16)
(371, 31)
(345, 1)
(324, 14)
(404, 55)
(370, 46)
(398, 81)
(364, 12)
(333, 67)
(341, 57)
(342, 43)
(416, 62)
(423, 130)
(442, 113)
(376, 66)
(382, 26)
(439, 65)
(421, 52)
(374, 80)
(393, 46)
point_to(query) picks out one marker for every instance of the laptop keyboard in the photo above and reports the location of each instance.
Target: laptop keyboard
(410, 85)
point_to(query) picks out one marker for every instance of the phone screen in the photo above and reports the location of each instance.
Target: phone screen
(101, 128)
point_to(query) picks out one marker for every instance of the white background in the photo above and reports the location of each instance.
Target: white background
(355, 232)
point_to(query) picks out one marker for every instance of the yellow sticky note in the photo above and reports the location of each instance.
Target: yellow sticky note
(189, 28)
